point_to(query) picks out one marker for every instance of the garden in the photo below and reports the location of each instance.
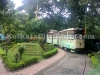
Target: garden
(20, 55)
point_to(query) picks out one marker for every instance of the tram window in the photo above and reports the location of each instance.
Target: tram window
(69, 37)
(54, 36)
(72, 36)
(78, 36)
(65, 36)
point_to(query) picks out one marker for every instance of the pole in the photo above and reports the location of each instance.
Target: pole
(85, 21)
(37, 11)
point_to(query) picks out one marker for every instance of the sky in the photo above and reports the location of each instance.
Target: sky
(17, 3)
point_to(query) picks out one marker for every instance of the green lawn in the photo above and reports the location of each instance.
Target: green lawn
(32, 54)
(31, 49)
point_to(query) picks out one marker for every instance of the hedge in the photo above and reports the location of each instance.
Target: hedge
(94, 61)
(50, 53)
(49, 46)
(18, 44)
(95, 57)
(15, 66)
(2, 52)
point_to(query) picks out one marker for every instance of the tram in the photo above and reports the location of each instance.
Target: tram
(69, 39)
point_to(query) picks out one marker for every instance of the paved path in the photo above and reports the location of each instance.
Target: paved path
(71, 64)
(33, 69)
(2, 68)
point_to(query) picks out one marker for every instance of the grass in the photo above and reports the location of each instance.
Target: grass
(31, 49)
(32, 54)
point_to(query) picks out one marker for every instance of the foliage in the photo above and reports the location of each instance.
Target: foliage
(95, 71)
(21, 51)
(35, 27)
(7, 18)
(96, 64)
(50, 53)
(94, 61)
(89, 55)
(36, 51)
(14, 66)
(31, 49)
(31, 60)
(3, 4)
(18, 44)
(48, 47)
(2, 52)
(61, 14)
(54, 18)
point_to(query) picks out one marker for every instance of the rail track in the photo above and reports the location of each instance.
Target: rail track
(59, 69)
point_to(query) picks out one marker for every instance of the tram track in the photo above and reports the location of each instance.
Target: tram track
(84, 66)
(57, 67)
(51, 72)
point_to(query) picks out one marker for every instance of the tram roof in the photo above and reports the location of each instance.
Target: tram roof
(75, 29)
(52, 31)
(71, 29)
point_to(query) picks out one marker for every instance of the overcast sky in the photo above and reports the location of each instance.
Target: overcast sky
(17, 3)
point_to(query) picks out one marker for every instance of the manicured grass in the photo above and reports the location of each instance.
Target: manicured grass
(32, 54)
(31, 49)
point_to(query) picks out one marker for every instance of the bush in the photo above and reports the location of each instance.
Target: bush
(89, 55)
(4, 58)
(15, 66)
(31, 60)
(50, 53)
(49, 46)
(2, 52)
(21, 51)
(94, 61)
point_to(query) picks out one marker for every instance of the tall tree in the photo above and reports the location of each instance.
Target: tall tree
(73, 13)
(7, 19)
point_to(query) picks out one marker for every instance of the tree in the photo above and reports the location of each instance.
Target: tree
(21, 51)
(61, 14)
(36, 27)
(52, 9)
(7, 18)
(3, 4)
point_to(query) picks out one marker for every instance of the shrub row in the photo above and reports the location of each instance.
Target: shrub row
(50, 53)
(15, 66)
(95, 57)
(2, 52)
(49, 46)
(94, 61)
(18, 44)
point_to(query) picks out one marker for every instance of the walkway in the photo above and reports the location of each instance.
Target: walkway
(33, 69)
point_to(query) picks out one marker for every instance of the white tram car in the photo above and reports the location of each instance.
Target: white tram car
(70, 39)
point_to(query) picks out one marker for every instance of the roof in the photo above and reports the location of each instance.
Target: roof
(52, 31)
(75, 29)
(71, 29)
